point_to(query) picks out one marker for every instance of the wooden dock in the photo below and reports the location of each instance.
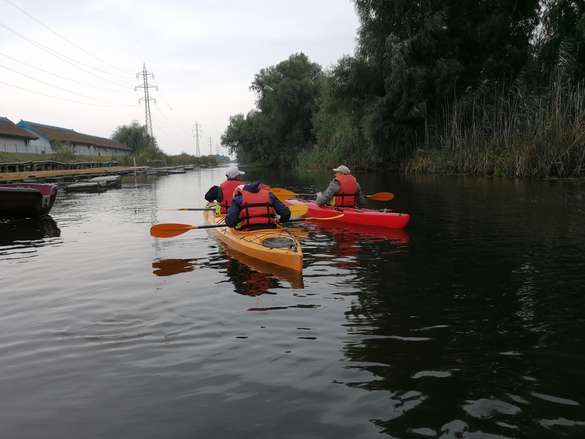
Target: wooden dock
(56, 173)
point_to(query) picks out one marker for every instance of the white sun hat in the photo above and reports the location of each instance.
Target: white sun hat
(233, 172)
(342, 169)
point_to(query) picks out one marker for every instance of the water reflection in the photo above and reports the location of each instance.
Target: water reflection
(249, 276)
(170, 267)
(24, 235)
(29, 229)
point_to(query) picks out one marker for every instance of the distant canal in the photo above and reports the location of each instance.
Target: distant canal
(470, 324)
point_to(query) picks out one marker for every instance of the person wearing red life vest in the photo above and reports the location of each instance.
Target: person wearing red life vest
(223, 193)
(343, 191)
(255, 207)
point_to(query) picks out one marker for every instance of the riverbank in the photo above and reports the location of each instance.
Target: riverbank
(130, 160)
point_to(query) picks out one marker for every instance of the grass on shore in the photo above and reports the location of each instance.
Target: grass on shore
(9, 157)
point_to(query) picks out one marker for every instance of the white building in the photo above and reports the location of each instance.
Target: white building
(48, 138)
(13, 138)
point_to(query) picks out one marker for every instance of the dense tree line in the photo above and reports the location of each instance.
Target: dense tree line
(434, 85)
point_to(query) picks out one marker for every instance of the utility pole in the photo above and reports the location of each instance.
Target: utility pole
(196, 138)
(147, 117)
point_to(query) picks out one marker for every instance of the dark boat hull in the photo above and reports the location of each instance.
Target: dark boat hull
(26, 200)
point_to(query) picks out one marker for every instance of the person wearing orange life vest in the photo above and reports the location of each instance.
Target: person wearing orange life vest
(343, 191)
(223, 193)
(255, 207)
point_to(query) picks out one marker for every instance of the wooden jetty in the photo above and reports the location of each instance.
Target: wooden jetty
(48, 174)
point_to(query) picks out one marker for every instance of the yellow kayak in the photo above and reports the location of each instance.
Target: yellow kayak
(274, 246)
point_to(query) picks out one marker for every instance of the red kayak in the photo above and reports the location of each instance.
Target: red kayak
(362, 217)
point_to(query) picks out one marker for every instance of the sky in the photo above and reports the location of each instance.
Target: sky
(73, 63)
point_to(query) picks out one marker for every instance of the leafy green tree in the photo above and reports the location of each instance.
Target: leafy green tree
(424, 54)
(136, 137)
(561, 39)
(281, 126)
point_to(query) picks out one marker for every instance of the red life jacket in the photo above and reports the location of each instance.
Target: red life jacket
(257, 209)
(347, 194)
(227, 192)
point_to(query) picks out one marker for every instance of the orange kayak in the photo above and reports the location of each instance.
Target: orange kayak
(274, 246)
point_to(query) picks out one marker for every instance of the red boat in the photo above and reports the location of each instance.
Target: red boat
(360, 217)
(22, 200)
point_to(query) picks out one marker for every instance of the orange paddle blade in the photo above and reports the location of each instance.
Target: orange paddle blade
(283, 194)
(170, 230)
(298, 210)
(381, 196)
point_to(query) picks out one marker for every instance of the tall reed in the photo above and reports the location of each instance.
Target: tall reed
(510, 133)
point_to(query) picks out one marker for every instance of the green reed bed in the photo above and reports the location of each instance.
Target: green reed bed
(513, 134)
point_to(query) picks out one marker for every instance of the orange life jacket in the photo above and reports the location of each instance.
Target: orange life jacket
(257, 209)
(227, 192)
(347, 194)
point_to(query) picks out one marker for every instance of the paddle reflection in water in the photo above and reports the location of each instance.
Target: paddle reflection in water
(170, 267)
(251, 277)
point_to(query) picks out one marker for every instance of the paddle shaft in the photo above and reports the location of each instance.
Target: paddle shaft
(193, 209)
(285, 194)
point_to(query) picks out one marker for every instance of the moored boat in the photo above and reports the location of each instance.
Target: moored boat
(24, 200)
(362, 217)
(273, 246)
(110, 181)
(88, 186)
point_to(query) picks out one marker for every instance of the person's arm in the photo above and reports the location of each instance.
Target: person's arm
(233, 216)
(361, 198)
(213, 194)
(329, 193)
(281, 209)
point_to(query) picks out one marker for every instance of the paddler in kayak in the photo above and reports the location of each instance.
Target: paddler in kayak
(223, 193)
(255, 207)
(343, 191)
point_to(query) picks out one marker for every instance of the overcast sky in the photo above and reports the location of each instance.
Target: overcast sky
(204, 54)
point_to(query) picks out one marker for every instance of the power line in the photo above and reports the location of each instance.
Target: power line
(67, 40)
(147, 116)
(57, 97)
(58, 55)
(47, 83)
(84, 84)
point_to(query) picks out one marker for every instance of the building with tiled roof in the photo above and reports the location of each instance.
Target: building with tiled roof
(80, 144)
(13, 138)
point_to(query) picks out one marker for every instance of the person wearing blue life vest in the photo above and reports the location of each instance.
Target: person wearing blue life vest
(255, 207)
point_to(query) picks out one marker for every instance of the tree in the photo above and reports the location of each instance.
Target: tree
(281, 126)
(414, 58)
(561, 40)
(136, 137)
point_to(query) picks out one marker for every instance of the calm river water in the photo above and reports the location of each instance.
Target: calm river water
(470, 324)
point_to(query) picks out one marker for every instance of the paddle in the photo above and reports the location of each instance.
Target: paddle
(192, 208)
(285, 194)
(170, 230)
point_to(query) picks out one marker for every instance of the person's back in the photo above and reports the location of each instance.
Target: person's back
(223, 194)
(255, 207)
(343, 191)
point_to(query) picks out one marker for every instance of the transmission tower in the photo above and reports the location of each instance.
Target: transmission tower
(196, 138)
(210, 147)
(147, 117)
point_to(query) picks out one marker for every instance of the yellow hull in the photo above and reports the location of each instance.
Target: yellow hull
(254, 243)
